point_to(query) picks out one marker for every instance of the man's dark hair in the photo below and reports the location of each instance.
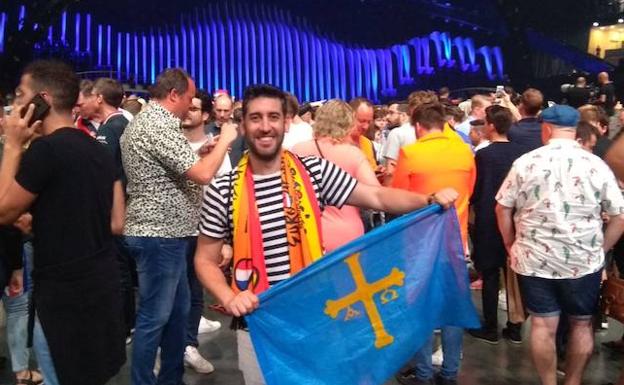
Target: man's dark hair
(205, 99)
(263, 91)
(584, 131)
(357, 102)
(111, 90)
(305, 108)
(170, 79)
(500, 117)
(292, 105)
(444, 91)
(429, 115)
(56, 78)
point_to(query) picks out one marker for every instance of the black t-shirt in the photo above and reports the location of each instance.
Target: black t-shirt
(72, 175)
(109, 134)
(578, 96)
(609, 91)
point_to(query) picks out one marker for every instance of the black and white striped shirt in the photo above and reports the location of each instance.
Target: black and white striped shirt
(331, 184)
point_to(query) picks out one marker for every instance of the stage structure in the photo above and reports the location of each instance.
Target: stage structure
(231, 45)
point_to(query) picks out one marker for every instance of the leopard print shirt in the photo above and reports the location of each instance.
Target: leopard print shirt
(162, 202)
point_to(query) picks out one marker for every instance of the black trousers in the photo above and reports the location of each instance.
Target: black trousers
(489, 296)
(126, 268)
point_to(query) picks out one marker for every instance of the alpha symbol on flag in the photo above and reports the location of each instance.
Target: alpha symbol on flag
(365, 292)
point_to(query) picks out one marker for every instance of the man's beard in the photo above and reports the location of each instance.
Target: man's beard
(265, 156)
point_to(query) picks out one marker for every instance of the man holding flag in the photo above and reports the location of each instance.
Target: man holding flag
(269, 205)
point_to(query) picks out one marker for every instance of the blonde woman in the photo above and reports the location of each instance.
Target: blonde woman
(333, 123)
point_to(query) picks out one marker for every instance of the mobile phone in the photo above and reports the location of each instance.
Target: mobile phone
(500, 90)
(42, 108)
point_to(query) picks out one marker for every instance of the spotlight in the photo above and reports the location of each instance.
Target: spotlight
(596, 24)
(620, 21)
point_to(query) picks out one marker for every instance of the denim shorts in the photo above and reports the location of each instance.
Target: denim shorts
(575, 297)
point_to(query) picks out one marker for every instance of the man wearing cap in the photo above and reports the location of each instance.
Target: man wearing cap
(555, 240)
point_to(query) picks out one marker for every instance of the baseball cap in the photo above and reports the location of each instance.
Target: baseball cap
(561, 115)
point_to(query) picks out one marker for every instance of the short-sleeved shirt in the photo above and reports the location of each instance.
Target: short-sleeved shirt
(608, 90)
(397, 138)
(438, 161)
(559, 192)
(109, 133)
(332, 186)
(72, 175)
(162, 202)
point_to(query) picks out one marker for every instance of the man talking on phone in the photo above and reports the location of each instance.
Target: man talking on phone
(67, 180)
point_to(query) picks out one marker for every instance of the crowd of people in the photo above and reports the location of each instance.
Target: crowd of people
(102, 192)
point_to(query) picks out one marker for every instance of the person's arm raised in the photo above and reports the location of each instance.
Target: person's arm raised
(206, 168)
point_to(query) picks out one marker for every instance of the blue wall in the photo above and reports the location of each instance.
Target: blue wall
(231, 46)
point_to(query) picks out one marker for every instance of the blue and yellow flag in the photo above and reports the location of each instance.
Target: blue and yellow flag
(361, 312)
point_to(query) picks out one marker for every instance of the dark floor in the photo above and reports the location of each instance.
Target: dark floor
(482, 364)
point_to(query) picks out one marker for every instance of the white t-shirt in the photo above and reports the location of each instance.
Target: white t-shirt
(297, 133)
(399, 137)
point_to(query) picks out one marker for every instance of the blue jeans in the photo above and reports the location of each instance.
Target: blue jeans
(16, 309)
(163, 308)
(197, 296)
(452, 341)
(44, 357)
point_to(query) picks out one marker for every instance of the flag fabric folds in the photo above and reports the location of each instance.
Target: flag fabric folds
(358, 314)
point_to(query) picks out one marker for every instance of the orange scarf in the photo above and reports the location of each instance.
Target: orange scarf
(303, 224)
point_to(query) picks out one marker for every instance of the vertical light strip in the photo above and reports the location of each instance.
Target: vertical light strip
(247, 53)
(77, 33)
(222, 52)
(254, 53)
(135, 51)
(290, 56)
(161, 52)
(320, 64)
(21, 18)
(88, 37)
(152, 77)
(298, 70)
(109, 44)
(3, 19)
(184, 46)
(50, 34)
(64, 27)
(312, 63)
(200, 53)
(127, 74)
(118, 55)
(169, 61)
(335, 70)
(306, 66)
(269, 52)
(239, 61)
(262, 57)
(99, 45)
(144, 59)
(208, 56)
(283, 59)
(176, 48)
(215, 54)
(193, 57)
(232, 69)
(328, 71)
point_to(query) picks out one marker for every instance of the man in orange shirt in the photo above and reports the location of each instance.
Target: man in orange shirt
(436, 160)
(362, 119)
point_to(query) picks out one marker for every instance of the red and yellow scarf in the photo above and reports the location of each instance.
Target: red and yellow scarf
(303, 224)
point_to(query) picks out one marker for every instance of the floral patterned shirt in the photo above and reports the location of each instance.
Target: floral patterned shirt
(559, 192)
(162, 202)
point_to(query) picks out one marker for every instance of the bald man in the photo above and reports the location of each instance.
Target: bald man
(606, 93)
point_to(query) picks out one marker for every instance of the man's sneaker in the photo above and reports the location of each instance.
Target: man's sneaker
(439, 380)
(438, 357)
(194, 360)
(485, 335)
(512, 335)
(157, 363)
(560, 368)
(411, 379)
(207, 326)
